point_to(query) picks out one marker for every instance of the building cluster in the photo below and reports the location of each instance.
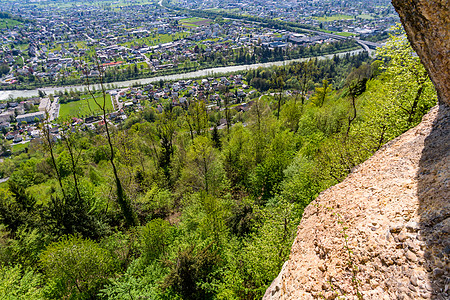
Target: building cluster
(216, 93)
(16, 116)
(62, 41)
(20, 121)
(361, 17)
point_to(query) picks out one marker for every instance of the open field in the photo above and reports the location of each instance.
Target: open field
(194, 22)
(333, 18)
(4, 185)
(23, 47)
(8, 23)
(365, 17)
(19, 147)
(344, 33)
(156, 40)
(84, 107)
(337, 32)
(267, 98)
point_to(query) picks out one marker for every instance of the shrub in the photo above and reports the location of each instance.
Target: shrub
(18, 284)
(155, 238)
(192, 271)
(79, 266)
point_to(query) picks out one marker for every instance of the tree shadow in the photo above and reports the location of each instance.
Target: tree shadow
(433, 192)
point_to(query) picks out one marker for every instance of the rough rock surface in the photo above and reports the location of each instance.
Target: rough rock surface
(427, 23)
(383, 231)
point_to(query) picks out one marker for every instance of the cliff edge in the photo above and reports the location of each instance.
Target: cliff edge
(383, 233)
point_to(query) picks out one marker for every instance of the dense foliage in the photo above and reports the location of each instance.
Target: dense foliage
(217, 209)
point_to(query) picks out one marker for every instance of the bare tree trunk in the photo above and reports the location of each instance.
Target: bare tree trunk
(122, 200)
(413, 109)
(49, 144)
(74, 162)
(353, 117)
(279, 104)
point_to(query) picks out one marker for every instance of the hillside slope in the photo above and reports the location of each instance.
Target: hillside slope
(396, 208)
(383, 233)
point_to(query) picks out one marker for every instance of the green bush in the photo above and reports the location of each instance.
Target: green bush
(155, 238)
(24, 248)
(192, 272)
(79, 267)
(157, 202)
(131, 286)
(17, 284)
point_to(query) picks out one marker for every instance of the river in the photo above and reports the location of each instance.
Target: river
(206, 72)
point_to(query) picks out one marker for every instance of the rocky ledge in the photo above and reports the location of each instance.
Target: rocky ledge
(383, 233)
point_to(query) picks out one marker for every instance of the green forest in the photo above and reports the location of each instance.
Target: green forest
(168, 206)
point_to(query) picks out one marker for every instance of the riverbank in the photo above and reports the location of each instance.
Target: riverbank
(201, 73)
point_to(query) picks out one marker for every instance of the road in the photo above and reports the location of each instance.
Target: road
(89, 38)
(54, 109)
(366, 45)
(116, 103)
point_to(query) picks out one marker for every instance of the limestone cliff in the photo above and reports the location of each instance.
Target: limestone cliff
(395, 210)
(427, 23)
(383, 233)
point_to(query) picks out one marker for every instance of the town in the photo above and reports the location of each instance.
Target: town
(361, 17)
(46, 45)
(20, 121)
(225, 99)
(114, 41)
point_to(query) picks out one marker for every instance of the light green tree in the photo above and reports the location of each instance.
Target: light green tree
(398, 98)
(203, 170)
(155, 238)
(77, 266)
(19, 284)
(407, 82)
(322, 93)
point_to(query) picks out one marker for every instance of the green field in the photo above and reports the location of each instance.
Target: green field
(365, 17)
(267, 98)
(344, 33)
(334, 18)
(4, 185)
(79, 44)
(84, 107)
(23, 47)
(337, 33)
(194, 22)
(19, 147)
(158, 39)
(8, 23)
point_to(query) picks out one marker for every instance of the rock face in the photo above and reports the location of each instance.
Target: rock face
(384, 231)
(427, 23)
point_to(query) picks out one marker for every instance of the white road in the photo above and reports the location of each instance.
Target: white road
(54, 109)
